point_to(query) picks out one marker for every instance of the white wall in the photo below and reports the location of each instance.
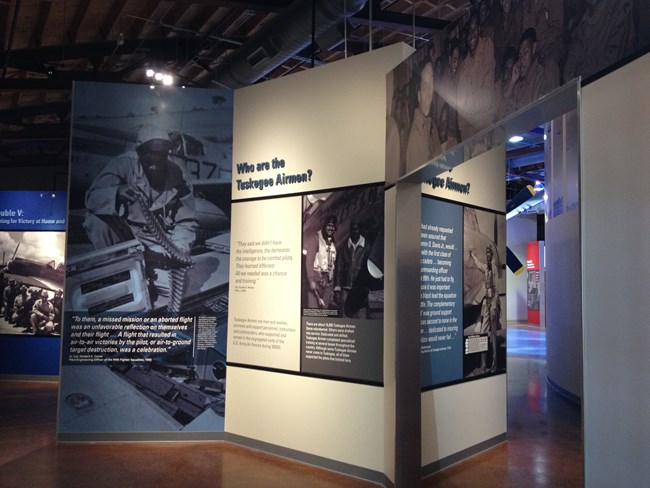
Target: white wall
(332, 419)
(459, 417)
(519, 231)
(615, 178)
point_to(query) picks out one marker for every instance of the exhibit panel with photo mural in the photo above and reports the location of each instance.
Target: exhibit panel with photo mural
(462, 294)
(307, 293)
(147, 271)
(32, 242)
(496, 59)
(329, 247)
(315, 277)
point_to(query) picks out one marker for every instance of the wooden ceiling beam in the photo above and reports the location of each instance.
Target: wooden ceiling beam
(15, 116)
(111, 17)
(274, 6)
(4, 23)
(404, 23)
(77, 20)
(36, 59)
(41, 21)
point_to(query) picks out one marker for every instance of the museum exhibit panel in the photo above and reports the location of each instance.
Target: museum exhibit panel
(535, 289)
(306, 326)
(144, 338)
(32, 241)
(315, 266)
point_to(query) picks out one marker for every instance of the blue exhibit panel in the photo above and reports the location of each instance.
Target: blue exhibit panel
(441, 292)
(30, 356)
(33, 210)
(24, 213)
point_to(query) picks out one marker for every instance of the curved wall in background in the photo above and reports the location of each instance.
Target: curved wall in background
(562, 235)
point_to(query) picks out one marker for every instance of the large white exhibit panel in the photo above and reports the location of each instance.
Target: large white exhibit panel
(615, 177)
(327, 372)
(306, 329)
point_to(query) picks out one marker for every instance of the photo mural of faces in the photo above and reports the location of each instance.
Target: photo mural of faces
(499, 57)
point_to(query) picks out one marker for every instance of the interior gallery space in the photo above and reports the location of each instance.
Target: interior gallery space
(544, 445)
(324, 243)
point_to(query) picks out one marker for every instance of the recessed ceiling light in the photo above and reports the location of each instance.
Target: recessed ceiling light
(516, 139)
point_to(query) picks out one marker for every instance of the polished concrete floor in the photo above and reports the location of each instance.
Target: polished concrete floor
(543, 447)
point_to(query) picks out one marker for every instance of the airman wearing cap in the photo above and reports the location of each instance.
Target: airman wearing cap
(152, 146)
(135, 189)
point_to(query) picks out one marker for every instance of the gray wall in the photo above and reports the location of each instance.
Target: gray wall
(562, 233)
(615, 178)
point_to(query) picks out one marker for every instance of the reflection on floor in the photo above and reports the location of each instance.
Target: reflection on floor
(543, 448)
(526, 342)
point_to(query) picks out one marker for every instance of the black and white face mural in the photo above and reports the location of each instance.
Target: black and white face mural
(499, 57)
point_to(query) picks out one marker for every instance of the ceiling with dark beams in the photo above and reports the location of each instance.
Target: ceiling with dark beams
(46, 44)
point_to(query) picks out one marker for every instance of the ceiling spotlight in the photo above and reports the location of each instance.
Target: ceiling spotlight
(516, 139)
(160, 77)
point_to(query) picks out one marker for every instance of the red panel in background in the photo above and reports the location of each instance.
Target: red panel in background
(532, 255)
(533, 267)
(534, 317)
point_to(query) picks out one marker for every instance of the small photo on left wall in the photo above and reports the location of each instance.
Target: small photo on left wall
(31, 275)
